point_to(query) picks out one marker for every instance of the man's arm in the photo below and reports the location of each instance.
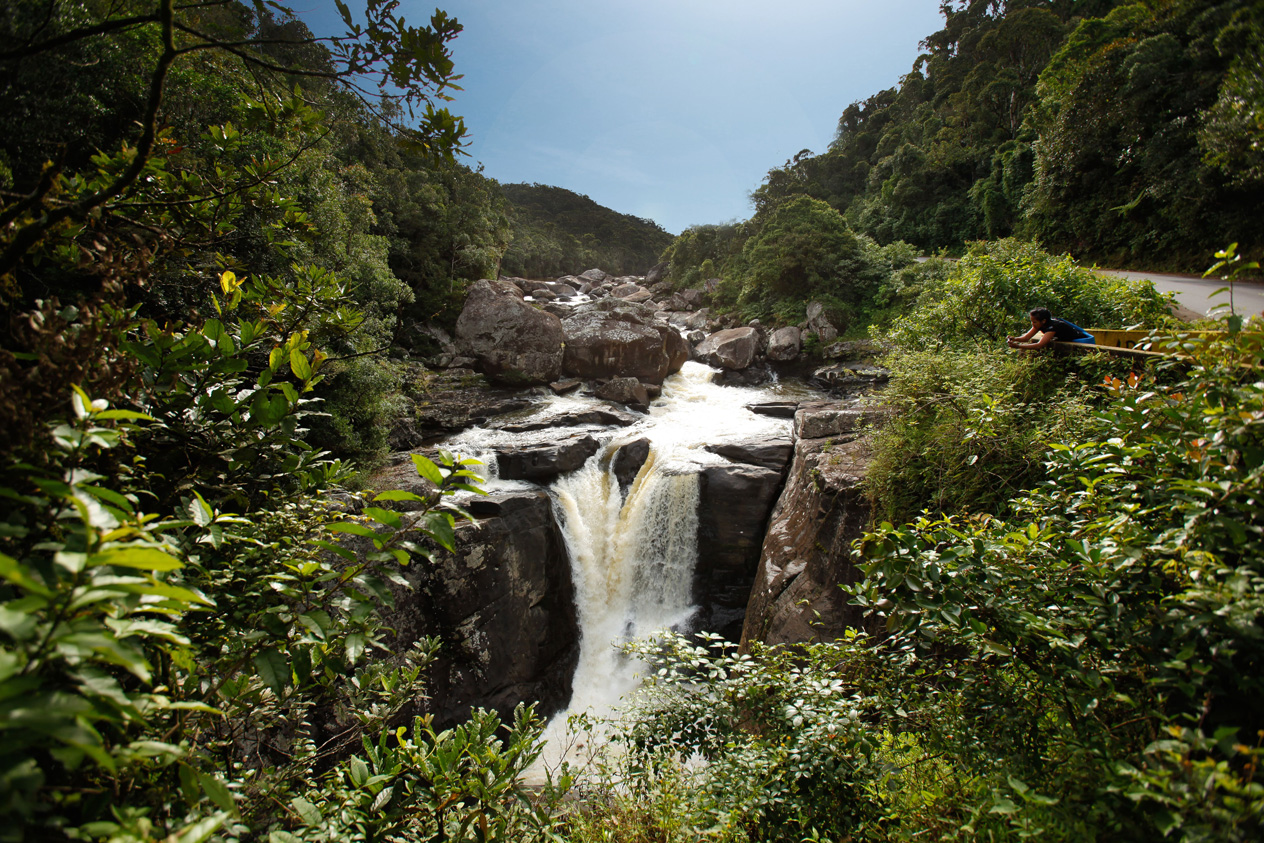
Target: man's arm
(1045, 339)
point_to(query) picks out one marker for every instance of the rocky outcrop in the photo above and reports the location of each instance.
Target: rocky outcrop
(627, 462)
(767, 453)
(503, 605)
(612, 338)
(449, 401)
(733, 348)
(734, 502)
(850, 376)
(819, 324)
(806, 552)
(512, 342)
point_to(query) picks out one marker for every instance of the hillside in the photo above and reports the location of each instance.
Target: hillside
(557, 232)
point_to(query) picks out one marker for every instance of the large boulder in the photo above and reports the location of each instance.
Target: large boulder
(784, 344)
(612, 338)
(596, 276)
(733, 348)
(819, 324)
(628, 391)
(657, 273)
(512, 342)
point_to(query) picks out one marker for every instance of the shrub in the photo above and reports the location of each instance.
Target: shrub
(998, 282)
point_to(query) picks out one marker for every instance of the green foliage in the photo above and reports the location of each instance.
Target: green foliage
(997, 283)
(968, 428)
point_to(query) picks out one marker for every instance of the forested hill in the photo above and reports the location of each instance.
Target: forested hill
(1123, 132)
(557, 231)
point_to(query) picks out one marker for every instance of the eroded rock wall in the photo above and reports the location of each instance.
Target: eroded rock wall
(504, 607)
(806, 551)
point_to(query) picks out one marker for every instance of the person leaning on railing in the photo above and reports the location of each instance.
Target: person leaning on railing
(1050, 330)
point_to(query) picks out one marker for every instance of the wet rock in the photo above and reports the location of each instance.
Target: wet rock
(733, 348)
(776, 409)
(453, 400)
(543, 294)
(627, 462)
(698, 321)
(512, 341)
(628, 391)
(734, 502)
(784, 344)
(564, 386)
(752, 376)
(603, 416)
(767, 453)
(542, 462)
(695, 337)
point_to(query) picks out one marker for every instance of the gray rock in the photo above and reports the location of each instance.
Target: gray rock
(776, 409)
(543, 294)
(623, 291)
(513, 342)
(595, 416)
(698, 321)
(564, 386)
(807, 551)
(642, 295)
(593, 275)
(784, 344)
(612, 338)
(850, 376)
(734, 502)
(729, 349)
(767, 453)
(694, 337)
(627, 462)
(657, 273)
(628, 391)
(817, 422)
(543, 461)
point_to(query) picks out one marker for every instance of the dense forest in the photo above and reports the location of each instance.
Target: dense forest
(1123, 133)
(221, 236)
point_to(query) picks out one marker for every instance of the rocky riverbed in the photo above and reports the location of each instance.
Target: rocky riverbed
(545, 378)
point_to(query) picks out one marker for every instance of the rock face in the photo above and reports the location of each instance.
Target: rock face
(734, 502)
(784, 344)
(628, 391)
(612, 338)
(543, 461)
(504, 606)
(819, 324)
(733, 348)
(806, 552)
(512, 341)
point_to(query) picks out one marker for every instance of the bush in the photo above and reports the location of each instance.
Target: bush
(998, 282)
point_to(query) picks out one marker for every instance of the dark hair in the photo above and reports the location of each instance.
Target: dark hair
(1040, 314)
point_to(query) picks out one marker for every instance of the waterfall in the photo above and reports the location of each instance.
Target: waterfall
(633, 553)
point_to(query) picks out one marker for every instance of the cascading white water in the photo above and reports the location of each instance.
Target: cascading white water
(633, 555)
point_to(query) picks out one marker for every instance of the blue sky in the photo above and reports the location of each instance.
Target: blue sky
(672, 111)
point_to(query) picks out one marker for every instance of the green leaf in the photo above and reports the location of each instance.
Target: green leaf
(16, 574)
(273, 669)
(427, 469)
(353, 528)
(384, 516)
(355, 647)
(218, 792)
(141, 558)
(299, 365)
(200, 831)
(398, 495)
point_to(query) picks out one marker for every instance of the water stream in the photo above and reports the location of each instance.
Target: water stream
(633, 554)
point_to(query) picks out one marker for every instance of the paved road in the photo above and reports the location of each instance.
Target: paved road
(1195, 293)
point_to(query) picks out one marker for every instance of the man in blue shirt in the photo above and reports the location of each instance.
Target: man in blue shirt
(1050, 329)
